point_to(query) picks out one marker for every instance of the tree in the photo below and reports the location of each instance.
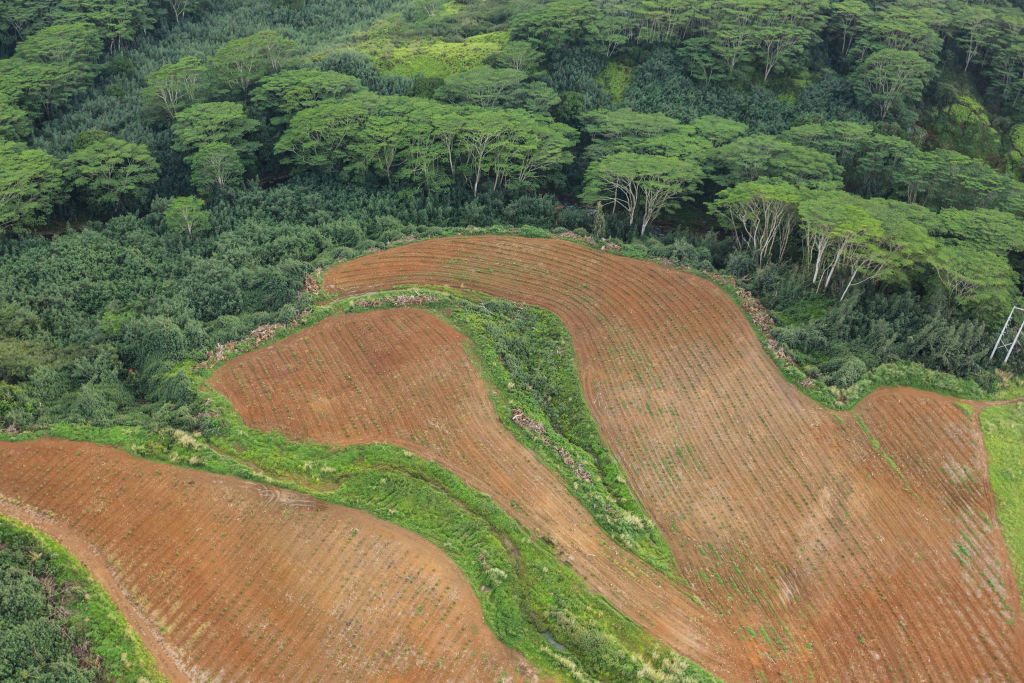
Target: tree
(1005, 63)
(289, 91)
(762, 213)
(216, 164)
(866, 239)
(111, 172)
(847, 18)
(317, 137)
(731, 32)
(534, 145)
(755, 156)
(119, 21)
(640, 184)
(20, 16)
(31, 184)
(51, 66)
(785, 28)
(904, 28)
(624, 130)
(974, 276)
(186, 213)
(556, 24)
(14, 121)
(989, 229)
(243, 61)
(976, 27)
(888, 78)
(62, 44)
(208, 122)
(518, 55)
(486, 86)
(179, 8)
(173, 87)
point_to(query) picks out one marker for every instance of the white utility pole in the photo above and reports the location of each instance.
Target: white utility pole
(1008, 344)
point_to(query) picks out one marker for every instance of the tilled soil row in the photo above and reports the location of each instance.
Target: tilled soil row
(248, 582)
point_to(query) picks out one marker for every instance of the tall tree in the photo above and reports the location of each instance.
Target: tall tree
(847, 18)
(14, 121)
(640, 184)
(976, 28)
(243, 61)
(31, 184)
(755, 156)
(216, 164)
(762, 213)
(284, 93)
(186, 213)
(890, 77)
(119, 21)
(20, 16)
(976, 277)
(486, 86)
(173, 87)
(786, 28)
(110, 173)
(208, 122)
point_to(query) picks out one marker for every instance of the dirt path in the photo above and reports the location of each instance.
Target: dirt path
(807, 546)
(239, 581)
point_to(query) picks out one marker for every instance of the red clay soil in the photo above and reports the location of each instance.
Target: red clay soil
(812, 550)
(248, 582)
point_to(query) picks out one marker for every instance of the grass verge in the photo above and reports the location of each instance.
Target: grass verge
(1003, 429)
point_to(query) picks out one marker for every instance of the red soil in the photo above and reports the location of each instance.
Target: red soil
(805, 545)
(249, 582)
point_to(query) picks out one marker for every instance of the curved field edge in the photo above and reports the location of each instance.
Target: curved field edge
(530, 600)
(894, 374)
(512, 344)
(1003, 430)
(93, 613)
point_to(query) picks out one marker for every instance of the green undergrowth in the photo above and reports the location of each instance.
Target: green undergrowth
(526, 354)
(524, 590)
(56, 622)
(1003, 429)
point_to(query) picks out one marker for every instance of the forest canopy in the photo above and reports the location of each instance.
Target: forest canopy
(172, 170)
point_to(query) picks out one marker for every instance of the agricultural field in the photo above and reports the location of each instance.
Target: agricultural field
(858, 545)
(233, 580)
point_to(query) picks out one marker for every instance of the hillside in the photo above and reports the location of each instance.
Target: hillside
(298, 242)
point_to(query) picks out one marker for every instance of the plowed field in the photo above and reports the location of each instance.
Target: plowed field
(813, 549)
(250, 582)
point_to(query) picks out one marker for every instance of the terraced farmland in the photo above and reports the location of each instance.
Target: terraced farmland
(844, 545)
(240, 581)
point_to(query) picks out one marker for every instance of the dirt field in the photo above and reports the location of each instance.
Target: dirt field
(239, 581)
(814, 550)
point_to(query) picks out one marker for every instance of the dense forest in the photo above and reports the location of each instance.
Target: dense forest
(172, 171)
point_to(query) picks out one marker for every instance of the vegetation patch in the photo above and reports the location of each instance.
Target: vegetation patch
(56, 622)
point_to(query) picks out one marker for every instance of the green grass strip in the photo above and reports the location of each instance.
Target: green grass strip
(1003, 429)
(526, 355)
